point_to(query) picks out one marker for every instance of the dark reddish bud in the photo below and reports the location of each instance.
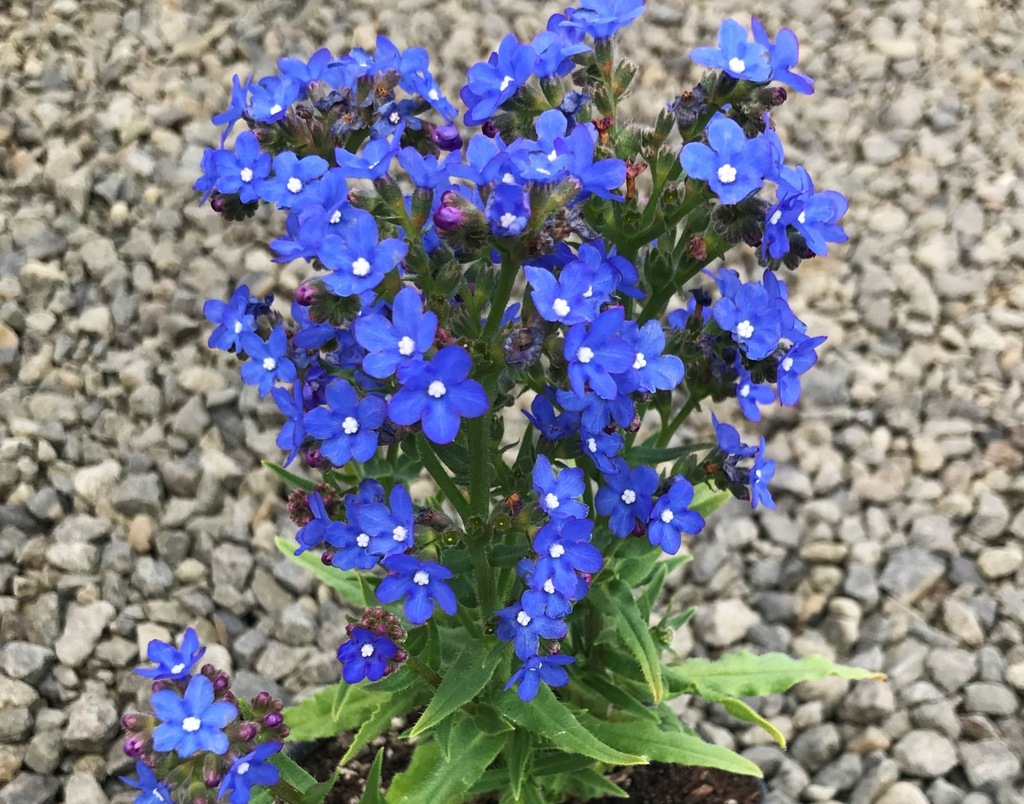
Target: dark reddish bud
(554, 648)
(327, 557)
(228, 696)
(208, 670)
(162, 684)
(248, 731)
(640, 529)
(401, 655)
(131, 721)
(776, 96)
(489, 129)
(283, 732)
(217, 203)
(443, 337)
(447, 137)
(380, 629)
(449, 219)
(272, 720)
(134, 746)
(221, 682)
(213, 778)
(314, 460)
(305, 295)
(277, 704)
(261, 700)
(634, 169)
(697, 249)
(634, 426)
(350, 628)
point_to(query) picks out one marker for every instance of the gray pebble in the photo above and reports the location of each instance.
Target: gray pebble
(925, 753)
(25, 661)
(92, 722)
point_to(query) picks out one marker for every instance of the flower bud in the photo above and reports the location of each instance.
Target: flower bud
(212, 778)
(327, 557)
(449, 219)
(489, 129)
(305, 295)
(208, 670)
(313, 458)
(261, 700)
(132, 721)
(446, 137)
(273, 719)
(248, 731)
(697, 249)
(283, 732)
(221, 682)
(134, 745)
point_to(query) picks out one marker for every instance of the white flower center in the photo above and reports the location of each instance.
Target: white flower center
(745, 391)
(275, 109)
(394, 117)
(523, 618)
(191, 724)
(640, 361)
(727, 174)
(178, 668)
(589, 293)
(508, 178)
(506, 82)
(363, 540)
(350, 426)
(592, 444)
(801, 218)
(507, 220)
(421, 578)
(399, 533)
(628, 496)
(745, 329)
(269, 364)
(776, 217)
(561, 307)
(335, 217)
(242, 769)
(366, 651)
(436, 389)
(787, 363)
(549, 587)
(737, 65)
(667, 515)
(551, 500)
(406, 346)
(584, 354)
(238, 327)
(245, 174)
(757, 474)
(552, 156)
(556, 551)
(295, 184)
(361, 267)
(433, 95)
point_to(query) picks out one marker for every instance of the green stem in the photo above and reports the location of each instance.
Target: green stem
(502, 293)
(479, 467)
(676, 423)
(433, 465)
(418, 666)
(485, 590)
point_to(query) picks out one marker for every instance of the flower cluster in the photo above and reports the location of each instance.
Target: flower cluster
(200, 740)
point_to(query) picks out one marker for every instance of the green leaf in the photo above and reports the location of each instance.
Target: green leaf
(652, 588)
(741, 711)
(744, 674)
(679, 747)
(652, 456)
(519, 757)
(332, 710)
(346, 582)
(372, 795)
(388, 707)
(430, 779)
(706, 500)
(616, 692)
(467, 676)
(551, 719)
(443, 736)
(590, 783)
(291, 773)
(318, 792)
(615, 598)
(290, 480)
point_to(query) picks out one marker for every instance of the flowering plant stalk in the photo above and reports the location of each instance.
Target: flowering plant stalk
(496, 313)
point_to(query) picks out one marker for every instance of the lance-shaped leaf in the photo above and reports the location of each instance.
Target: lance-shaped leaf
(615, 599)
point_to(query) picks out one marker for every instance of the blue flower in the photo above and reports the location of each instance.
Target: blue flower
(236, 107)
(508, 210)
(310, 334)
(549, 669)
(390, 343)
(375, 159)
(611, 271)
(733, 166)
(365, 656)
(814, 215)
(602, 18)
(563, 549)
(193, 722)
(627, 498)
(671, 517)
(267, 362)
(524, 631)
(557, 497)
(425, 171)
(272, 96)
(783, 56)
(596, 413)
(232, 320)
(176, 663)
(750, 314)
(735, 54)
(389, 531)
(600, 177)
(438, 394)
(760, 475)
(318, 68)
(238, 172)
(151, 790)
(595, 354)
(358, 262)
(421, 583)
(729, 440)
(651, 370)
(291, 177)
(348, 425)
(314, 532)
(252, 769)
(601, 447)
(418, 80)
(555, 49)
(799, 359)
(551, 426)
(493, 82)
(569, 299)
(750, 394)
(542, 598)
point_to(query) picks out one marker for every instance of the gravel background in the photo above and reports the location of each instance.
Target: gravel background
(134, 505)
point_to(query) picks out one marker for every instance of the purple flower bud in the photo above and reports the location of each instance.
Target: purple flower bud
(283, 732)
(221, 682)
(134, 746)
(327, 557)
(489, 129)
(448, 219)
(447, 137)
(261, 700)
(131, 721)
(213, 778)
(208, 669)
(314, 460)
(248, 731)
(305, 295)
(217, 202)
(272, 720)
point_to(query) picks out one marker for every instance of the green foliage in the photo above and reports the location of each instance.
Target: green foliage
(460, 684)
(707, 500)
(372, 794)
(292, 481)
(351, 585)
(615, 599)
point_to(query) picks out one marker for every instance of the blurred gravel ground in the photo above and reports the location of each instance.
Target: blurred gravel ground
(132, 499)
